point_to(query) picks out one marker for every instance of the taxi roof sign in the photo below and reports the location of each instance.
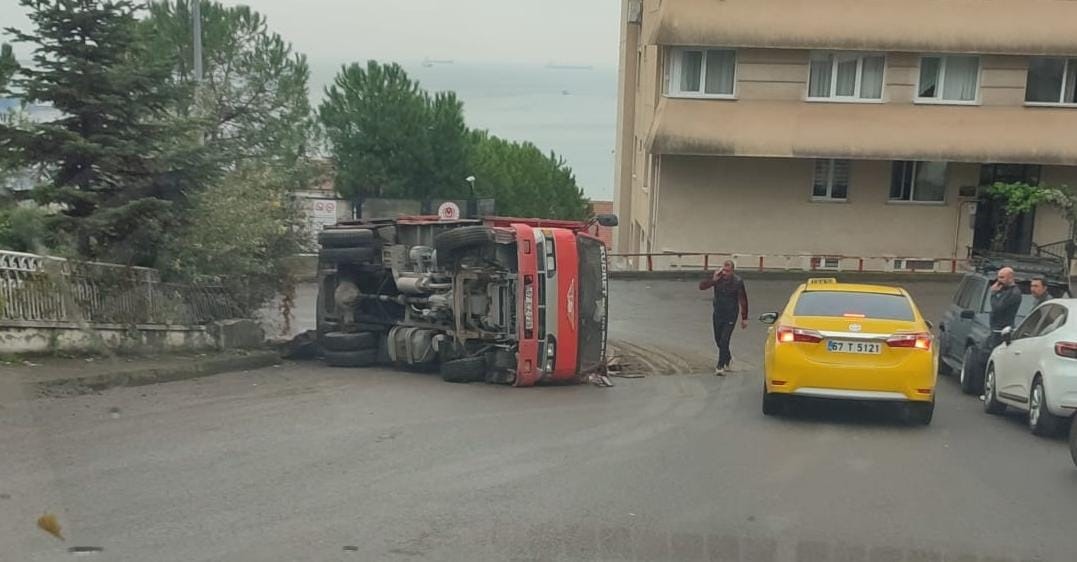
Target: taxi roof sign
(822, 281)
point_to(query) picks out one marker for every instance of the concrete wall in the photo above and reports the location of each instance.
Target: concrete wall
(764, 206)
(31, 337)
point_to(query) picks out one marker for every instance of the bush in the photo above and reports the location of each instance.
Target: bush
(25, 229)
(240, 234)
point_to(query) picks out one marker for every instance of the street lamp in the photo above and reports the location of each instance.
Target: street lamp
(472, 205)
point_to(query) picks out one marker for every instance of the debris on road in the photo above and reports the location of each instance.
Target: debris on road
(302, 346)
(50, 525)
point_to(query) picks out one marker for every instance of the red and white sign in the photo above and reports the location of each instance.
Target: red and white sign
(448, 211)
(325, 209)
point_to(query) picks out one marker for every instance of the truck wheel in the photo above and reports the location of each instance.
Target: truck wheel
(350, 238)
(972, 372)
(471, 369)
(354, 256)
(341, 341)
(361, 358)
(464, 237)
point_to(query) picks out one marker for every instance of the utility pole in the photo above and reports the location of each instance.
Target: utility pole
(196, 16)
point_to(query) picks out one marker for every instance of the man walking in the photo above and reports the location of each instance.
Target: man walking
(730, 301)
(1038, 288)
(1005, 300)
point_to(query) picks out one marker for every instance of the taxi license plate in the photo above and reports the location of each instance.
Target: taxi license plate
(864, 347)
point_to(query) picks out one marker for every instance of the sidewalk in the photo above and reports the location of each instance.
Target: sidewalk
(56, 376)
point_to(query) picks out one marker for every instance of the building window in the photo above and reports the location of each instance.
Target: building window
(843, 76)
(923, 182)
(1052, 81)
(954, 78)
(831, 180)
(703, 73)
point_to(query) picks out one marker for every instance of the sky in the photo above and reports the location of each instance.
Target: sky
(519, 31)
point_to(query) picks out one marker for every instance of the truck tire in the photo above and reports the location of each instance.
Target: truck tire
(350, 238)
(471, 369)
(449, 242)
(341, 341)
(353, 256)
(361, 358)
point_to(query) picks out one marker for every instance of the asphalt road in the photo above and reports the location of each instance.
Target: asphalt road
(304, 462)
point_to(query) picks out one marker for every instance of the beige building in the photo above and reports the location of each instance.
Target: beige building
(860, 128)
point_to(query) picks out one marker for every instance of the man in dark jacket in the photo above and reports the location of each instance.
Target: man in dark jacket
(1005, 301)
(730, 301)
(1038, 288)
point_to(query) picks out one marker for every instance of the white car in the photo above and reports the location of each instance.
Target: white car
(1035, 369)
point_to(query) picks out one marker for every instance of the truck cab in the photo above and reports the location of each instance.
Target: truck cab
(501, 300)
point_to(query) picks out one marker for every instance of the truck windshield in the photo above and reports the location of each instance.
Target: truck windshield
(593, 304)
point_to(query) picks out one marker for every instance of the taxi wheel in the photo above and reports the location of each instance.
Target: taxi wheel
(773, 404)
(919, 413)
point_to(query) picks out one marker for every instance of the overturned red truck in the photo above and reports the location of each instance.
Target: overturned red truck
(500, 300)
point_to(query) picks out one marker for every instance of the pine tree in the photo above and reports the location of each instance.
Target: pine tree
(117, 162)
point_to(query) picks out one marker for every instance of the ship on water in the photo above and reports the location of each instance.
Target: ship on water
(428, 62)
(555, 66)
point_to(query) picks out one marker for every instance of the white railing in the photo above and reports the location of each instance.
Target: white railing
(36, 288)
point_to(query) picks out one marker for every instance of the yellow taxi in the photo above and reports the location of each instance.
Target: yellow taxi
(850, 342)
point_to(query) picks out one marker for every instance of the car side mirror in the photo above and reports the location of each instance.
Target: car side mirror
(968, 314)
(608, 221)
(768, 318)
(1007, 335)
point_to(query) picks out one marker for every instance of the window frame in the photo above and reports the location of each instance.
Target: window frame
(938, 100)
(675, 67)
(833, 97)
(831, 166)
(1070, 67)
(1032, 323)
(1062, 313)
(912, 193)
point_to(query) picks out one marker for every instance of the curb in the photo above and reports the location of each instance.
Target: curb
(140, 376)
(793, 276)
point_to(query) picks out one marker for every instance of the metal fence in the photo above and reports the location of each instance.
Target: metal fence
(37, 288)
(699, 261)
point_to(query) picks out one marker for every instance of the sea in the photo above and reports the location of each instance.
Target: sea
(570, 110)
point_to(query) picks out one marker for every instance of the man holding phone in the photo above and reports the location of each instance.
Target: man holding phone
(730, 301)
(1005, 301)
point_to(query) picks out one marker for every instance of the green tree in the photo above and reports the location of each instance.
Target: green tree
(253, 101)
(116, 163)
(378, 122)
(389, 138)
(1021, 198)
(524, 180)
(8, 66)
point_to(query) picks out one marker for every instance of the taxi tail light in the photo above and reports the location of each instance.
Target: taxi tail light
(1066, 349)
(912, 341)
(789, 334)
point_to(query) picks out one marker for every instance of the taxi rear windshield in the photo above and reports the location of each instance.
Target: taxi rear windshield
(854, 305)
